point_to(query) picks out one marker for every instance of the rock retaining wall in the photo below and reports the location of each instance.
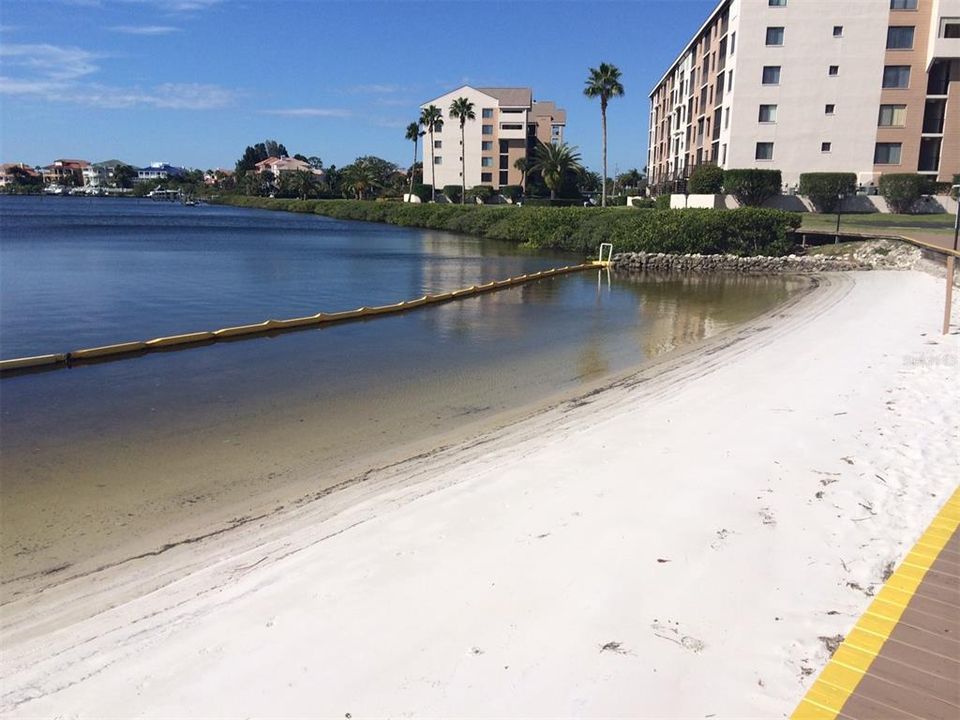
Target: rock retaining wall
(662, 262)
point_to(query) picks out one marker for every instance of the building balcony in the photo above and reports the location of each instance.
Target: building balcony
(512, 131)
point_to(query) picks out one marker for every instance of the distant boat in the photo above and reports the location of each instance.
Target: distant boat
(54, 190)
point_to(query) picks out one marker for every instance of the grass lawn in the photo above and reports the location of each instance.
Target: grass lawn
(878, 221)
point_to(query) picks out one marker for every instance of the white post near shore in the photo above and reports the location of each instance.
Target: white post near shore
(951, 268)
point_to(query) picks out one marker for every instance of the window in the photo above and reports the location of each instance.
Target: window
(486, 113)
(838, 31)
(486, 145)
(777, 3)
(486, 177)
(833, 71)
(488, 129)
(900, 37)
(903, 4)
(437, 144)
(726, 118)
(437, 160)
(504, 177)
(892, 116)
(829, 109)
(774, 36)
(768, 114)
(939, 77)
(950, 28)
(896, 76)
(887, 154)
(733, 43)
(730, 80)
(510, 126)
(929, 160)
(771, 74)
(825, 147)
(764, 151)
(486, 162)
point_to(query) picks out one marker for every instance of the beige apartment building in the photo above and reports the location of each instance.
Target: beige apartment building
(864, 86)
(508, 125)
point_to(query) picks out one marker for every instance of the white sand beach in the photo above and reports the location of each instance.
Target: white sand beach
(676, 545)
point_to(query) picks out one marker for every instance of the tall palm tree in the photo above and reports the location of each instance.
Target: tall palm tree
(413, 133)
(432, 119)
(553, 161)
(604, 83)
(523, 165)
(462, 108)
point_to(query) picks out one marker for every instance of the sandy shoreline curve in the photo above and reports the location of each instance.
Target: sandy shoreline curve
(674, 544)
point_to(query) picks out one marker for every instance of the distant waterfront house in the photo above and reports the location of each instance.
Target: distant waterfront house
(213, 177)
(158, 171)
(100, 174)
(14, 173)
(64, 172)
(278, 166)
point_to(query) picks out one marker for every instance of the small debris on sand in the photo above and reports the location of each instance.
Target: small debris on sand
(615, 647)
(831, 643)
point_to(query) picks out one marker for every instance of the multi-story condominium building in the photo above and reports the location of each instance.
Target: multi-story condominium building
(509, 123)
(864, 86)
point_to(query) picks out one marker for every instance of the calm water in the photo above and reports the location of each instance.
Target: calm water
(101, 460)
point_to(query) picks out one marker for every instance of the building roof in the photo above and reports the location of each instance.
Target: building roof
(716, 11)
(548, 108)
(510, 97)
(7, 167)
(70, 163)
(109, 163)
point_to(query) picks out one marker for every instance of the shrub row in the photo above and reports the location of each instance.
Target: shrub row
(746, 231)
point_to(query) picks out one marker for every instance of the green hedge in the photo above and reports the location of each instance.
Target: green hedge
(752, 187)
(823, 188)
(705, 180)
(902, 190)
(746, 231)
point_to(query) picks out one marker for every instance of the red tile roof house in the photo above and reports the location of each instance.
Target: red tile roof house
(9, 173)
(65, 172)
(279, 166)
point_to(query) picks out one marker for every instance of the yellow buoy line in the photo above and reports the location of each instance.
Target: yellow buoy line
(175, 342)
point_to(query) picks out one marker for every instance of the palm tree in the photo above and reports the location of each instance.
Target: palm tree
(462, 108)
(523, 165)
(304, 182)
(413, 133)
(553, 161)
(432, 119)
(360, 177)
(604, 83)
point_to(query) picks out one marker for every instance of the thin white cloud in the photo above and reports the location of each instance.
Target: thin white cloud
(176, 7)
(62, 74)
(309, 112)
(145, 29)
(50, 62)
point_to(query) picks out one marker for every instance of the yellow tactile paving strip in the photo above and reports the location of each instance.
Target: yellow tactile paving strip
(852, 660)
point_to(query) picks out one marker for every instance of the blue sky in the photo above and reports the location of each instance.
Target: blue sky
(192, 82)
